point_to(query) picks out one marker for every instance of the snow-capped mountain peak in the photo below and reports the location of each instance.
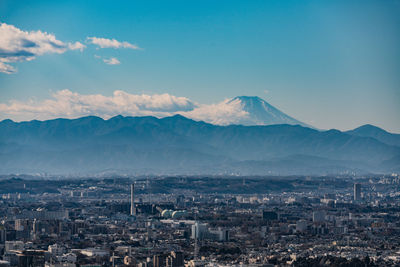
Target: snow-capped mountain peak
(260, 112)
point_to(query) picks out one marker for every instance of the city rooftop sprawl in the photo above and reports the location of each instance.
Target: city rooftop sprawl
(200, 221)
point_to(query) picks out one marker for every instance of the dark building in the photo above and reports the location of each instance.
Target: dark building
(31, 258)
(269, 215)
(160, 260)
(175, 259)
(357, 192)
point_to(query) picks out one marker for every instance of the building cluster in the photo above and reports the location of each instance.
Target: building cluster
(121, 222)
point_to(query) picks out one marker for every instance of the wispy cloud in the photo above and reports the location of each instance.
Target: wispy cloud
(111, 61)
(6, 68)
(18, 45)
(67, 104)
(111, 43)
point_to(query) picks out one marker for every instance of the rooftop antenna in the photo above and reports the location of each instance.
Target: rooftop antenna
(196, 248)
(133, 210)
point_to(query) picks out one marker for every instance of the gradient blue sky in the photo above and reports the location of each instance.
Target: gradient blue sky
(332, 64)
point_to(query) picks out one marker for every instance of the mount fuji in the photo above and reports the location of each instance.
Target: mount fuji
(260, 112)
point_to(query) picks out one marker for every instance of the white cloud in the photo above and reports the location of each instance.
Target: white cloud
(111, 61)
(76, 46)
(111, 43)
(17, 45)
(67, 104)
(6, 68)
(223, 113)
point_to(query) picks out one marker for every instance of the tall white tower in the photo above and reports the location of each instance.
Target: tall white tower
(133, 211)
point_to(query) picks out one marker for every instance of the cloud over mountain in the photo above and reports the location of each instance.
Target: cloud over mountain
(223, 113)
(67, 104)
(17, 45)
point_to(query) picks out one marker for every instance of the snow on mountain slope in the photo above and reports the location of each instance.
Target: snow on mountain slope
(260, 112)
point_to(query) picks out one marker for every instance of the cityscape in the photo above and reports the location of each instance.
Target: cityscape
(177, 133)
(201, 221)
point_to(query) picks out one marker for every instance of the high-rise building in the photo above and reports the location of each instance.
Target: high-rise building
(357, 192)
(199, 230)
(133, 210)
(318, 216)
(301, 225)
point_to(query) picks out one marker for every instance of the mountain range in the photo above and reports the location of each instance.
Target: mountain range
(178, 145)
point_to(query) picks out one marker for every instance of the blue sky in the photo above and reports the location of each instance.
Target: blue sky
(331, 64)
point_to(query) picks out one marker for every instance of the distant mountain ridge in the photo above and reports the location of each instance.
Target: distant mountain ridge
(177, 145)
(372, 131)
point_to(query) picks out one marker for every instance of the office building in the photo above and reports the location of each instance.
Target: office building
(318, 216)
(357, 192)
